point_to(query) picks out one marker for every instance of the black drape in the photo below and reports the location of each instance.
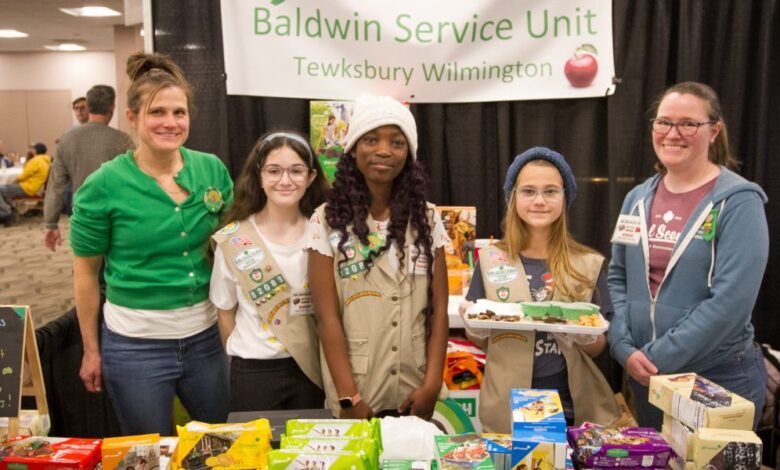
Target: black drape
(733, 45)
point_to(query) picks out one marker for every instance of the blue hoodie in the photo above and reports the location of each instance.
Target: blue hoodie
(702, 310)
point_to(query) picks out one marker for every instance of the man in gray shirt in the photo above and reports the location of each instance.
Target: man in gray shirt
(81, 151)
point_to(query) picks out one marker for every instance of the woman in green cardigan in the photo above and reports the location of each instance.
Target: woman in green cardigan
(148, 214)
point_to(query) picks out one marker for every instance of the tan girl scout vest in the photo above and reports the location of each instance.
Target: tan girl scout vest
(382, 311)
(510, 354)
(263, 283)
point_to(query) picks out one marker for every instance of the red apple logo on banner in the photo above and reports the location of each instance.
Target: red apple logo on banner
(582, 68)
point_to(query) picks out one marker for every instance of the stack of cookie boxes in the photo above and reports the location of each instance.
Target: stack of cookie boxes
(538, 429)
(706, 425)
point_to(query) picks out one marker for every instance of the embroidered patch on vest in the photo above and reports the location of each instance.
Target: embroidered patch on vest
(275, 310)
(270, 287)
(504, 336)
(365, 293)
(502, 293)
(350, 269)
(502, 274)
(229, 228)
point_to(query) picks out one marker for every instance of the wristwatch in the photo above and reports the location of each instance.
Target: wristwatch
(349, 402)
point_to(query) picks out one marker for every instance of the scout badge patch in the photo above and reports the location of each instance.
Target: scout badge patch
(212, 199)
(710, 225)
(375, 243)
(502, 293)
(256, 275)
(229, 228)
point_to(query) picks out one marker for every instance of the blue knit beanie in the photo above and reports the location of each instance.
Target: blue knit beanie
(542, 153)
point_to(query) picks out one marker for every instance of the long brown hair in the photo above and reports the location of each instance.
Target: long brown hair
(249, 196)
(151, 73)
(719, 152)
(569, 282)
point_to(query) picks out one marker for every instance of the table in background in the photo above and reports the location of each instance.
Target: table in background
(9, 175)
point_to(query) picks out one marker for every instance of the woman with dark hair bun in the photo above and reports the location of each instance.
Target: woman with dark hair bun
(149, 214)
(259, 283)
(377, 272)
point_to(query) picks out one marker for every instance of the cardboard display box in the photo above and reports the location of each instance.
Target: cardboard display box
(536, 411)
(699, 403)
(726, 449)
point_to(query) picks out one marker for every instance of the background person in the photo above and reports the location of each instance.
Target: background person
(684, 286)
(81, 110)
(542, 262)
(150, 213)
(266, 318)
(81, 151)
(29, 183)
(377, 272)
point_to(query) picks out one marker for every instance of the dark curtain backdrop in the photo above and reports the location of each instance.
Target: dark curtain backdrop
(733, 45)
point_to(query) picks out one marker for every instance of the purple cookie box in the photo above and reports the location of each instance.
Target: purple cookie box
(653, 453)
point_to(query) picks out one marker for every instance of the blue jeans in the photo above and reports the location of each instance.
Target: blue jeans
(8, 192)
(744, 374)
(142, 376)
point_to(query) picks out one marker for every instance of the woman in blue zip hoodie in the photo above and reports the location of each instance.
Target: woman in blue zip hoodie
(688, 256)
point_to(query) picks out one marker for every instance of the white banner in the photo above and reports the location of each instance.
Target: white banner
(438, 51)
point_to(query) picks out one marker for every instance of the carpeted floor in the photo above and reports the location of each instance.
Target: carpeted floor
(32, 275)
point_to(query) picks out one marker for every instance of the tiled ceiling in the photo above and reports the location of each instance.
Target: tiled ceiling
(47, 25)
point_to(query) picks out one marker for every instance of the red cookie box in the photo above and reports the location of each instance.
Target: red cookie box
(49, 453)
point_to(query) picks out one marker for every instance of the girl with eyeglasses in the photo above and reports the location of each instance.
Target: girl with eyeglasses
(685, 281)
(259, 282)
(538, 260)
(377, 270)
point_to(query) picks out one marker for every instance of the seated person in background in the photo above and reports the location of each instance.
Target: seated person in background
(5, 160)
(29, 183)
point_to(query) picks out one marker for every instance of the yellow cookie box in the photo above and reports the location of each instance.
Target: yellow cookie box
(223, 446)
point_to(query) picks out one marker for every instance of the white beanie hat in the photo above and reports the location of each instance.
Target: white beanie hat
(371, 112)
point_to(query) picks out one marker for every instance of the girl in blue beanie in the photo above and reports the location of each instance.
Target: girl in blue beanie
(539, 260)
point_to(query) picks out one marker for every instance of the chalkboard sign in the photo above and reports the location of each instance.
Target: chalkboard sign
(12, 331)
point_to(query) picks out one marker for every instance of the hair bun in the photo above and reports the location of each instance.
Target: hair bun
(141, 63)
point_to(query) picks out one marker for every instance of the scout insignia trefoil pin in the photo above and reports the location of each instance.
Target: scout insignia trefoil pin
(212, 199)
(710, 224)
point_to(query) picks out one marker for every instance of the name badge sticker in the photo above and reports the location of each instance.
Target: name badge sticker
(300, 302)
(420, 264)
(628, 230)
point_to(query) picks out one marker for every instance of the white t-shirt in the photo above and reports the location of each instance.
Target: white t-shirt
(326, 242)
(251, 339)
(177, 323)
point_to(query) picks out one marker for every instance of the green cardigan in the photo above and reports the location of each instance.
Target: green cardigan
(155, 249)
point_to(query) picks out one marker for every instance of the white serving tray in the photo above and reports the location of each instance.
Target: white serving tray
(525, 324)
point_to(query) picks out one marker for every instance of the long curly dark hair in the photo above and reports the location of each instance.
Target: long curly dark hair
(348, 203)
(249, 197)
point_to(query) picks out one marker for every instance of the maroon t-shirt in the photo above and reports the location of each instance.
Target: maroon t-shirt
(668, 216)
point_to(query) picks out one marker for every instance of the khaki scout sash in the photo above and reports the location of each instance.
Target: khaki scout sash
(384, 324)
(263, 284)
(510, 354)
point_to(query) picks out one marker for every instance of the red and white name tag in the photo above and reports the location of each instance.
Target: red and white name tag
(300, 302)
(628, 230)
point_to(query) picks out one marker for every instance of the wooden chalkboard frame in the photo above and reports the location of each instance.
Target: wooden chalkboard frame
(29, 359)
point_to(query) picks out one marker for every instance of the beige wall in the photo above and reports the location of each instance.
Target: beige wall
(31, 116)
(127, 41)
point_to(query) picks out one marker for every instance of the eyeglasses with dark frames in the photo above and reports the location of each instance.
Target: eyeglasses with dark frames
(686, 127)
